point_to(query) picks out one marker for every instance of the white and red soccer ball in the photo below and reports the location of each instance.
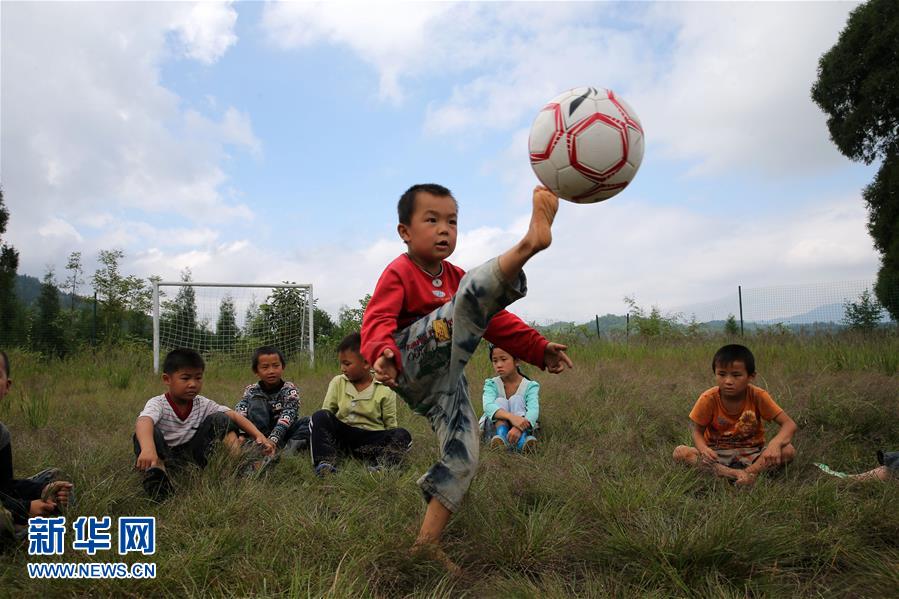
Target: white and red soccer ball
(586, 144)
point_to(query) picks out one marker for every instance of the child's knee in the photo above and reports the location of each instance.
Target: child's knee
(684, 453)
(788, 453)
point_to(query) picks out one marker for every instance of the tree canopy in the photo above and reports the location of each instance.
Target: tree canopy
(858, 88)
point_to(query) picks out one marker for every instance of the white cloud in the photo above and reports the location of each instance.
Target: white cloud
(394, 37)
(735, 93)
(724, 86)
(206, 29)
(89, 130)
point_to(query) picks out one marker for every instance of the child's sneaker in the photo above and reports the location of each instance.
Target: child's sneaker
(529, 445)
(501, 439)
(157, 484)
(498, 442)
(45, 477)
(324, 469)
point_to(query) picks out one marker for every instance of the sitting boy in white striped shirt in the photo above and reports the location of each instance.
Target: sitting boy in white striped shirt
(182, 425)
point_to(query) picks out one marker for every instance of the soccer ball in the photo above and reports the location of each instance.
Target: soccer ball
(586, 144)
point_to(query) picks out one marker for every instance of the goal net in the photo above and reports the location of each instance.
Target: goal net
(229, 320)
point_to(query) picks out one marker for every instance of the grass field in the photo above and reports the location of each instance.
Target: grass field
(600, 511)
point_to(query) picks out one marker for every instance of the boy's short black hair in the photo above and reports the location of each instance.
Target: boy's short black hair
(734, 352)
(181, 358)
(352, 342)
(5, 362)
(267, 350)
(406, 206)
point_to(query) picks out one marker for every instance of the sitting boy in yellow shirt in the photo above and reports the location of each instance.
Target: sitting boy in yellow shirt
(358, 414)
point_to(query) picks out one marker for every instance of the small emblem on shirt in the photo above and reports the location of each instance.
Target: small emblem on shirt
(441, 330)
(438, 293)
(437, 282)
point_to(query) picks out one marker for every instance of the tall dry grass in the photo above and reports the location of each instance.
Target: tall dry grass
(599, 511)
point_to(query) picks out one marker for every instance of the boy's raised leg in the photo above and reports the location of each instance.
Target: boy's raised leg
(538, 238)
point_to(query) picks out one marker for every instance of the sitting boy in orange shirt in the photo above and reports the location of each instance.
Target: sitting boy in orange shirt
(726, 422)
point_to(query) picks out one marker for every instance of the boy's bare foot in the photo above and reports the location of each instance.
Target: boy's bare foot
(745, 479)
(434, 552)
(539, 235)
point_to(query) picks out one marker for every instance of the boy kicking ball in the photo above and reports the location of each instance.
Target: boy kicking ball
(425, 319)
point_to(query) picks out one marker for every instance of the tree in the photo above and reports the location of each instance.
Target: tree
(9, 263)
(284, 313)
(731, 327)
(48, 334)
(180, 314)
(858, 88)
(76, 273)
(109, 286)
(123, 300)
(226, 330)
(138, 302)
(655, 324)
(350, 319)
(865, 314)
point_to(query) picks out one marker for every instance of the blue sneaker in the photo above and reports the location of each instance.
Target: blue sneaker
(501, 439)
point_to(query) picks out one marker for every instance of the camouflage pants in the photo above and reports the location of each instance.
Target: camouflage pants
(435, 350)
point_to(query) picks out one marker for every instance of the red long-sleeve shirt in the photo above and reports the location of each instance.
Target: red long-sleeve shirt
(405, 293)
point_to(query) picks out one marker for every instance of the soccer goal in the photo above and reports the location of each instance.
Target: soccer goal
(229, 320)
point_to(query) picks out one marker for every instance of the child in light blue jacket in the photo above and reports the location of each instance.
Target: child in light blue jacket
(511, 404)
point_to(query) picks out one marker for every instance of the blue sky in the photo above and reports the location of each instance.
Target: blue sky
(262, 142)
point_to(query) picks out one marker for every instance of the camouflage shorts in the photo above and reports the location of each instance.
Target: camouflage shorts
(435, 350)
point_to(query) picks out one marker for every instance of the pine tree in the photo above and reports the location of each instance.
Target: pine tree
(10, 309)
(226, 330)
(48, 334)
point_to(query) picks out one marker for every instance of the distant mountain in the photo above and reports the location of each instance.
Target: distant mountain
(607, 324)
(828, 313)
(28, 289)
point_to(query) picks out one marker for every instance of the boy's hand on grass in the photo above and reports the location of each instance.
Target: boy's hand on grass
(555, 358)
(771, 456)
(146, 459)
(39, 507)
(268, 448)
(385, 369)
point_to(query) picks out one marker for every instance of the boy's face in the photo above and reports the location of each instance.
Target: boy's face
(5, 381)
(269, 369)
(431, 232)
(733, 379)
(353, 366)
(503, 362)
(184, 384)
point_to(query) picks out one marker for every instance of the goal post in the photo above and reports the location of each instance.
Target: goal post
(229, 320)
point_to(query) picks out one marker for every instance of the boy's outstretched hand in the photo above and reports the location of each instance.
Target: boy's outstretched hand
(385, 369)
(555, 358)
